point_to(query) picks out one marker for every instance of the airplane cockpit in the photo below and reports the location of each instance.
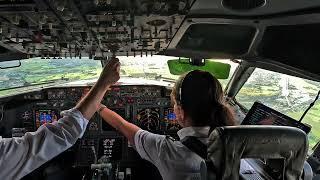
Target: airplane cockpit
(264, 53)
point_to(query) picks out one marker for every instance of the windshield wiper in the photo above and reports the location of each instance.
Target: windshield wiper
(166, 79)
(310, 106)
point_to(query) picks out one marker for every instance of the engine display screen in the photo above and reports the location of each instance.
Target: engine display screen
(45, 116)
(111, 147)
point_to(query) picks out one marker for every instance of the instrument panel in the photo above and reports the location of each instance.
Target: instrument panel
(147, 106)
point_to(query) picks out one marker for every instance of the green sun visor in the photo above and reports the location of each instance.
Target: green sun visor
(217, 69)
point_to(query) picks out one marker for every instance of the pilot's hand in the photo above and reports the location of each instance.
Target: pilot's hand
(110, 73)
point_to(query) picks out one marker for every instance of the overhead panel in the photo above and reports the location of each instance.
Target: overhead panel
(94, 28)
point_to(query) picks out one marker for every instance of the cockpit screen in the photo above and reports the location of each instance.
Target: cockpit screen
(260, 114)
(170, 119)
(169, 114)
(45, 116)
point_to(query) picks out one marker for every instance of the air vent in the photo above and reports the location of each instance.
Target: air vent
(242, 5)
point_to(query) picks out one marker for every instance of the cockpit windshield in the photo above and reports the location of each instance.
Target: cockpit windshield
(37, 71)
(40, 72)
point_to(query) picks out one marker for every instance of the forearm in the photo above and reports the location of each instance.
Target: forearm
(126, 128)
(23, 155)
(91, 102)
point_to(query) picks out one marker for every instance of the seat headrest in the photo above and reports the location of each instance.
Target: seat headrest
(228, 145)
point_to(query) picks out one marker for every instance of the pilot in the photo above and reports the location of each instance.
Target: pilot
(199, 106)
(20, 156)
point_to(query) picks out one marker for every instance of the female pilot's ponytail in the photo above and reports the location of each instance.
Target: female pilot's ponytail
(222, 117)
(201, 97)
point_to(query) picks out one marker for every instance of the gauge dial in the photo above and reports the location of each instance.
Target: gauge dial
(148, 118)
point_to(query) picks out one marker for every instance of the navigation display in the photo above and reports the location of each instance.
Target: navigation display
(44, 116)
(260, 114)
(170, 119)
(169, 114)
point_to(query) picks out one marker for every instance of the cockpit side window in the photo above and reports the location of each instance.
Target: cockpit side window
(288, 94)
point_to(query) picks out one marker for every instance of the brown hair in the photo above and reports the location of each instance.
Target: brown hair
(201, 96)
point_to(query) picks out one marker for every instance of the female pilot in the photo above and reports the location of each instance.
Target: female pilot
(199, 105)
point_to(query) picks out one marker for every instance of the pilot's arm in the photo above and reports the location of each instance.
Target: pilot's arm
(20, 156)
(116, 121)
(147, 144)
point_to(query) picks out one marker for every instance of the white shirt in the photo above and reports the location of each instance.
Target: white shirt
(173, 160)
(20, 156)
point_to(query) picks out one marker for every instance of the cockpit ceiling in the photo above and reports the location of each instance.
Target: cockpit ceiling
(225, 39)
(295, 45)
(93, 28)
(251, 7)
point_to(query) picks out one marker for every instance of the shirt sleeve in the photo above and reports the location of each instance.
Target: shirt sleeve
(149, 145)
(20, 156)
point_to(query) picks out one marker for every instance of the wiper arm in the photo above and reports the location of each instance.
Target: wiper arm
(310, 106)
(166, 79)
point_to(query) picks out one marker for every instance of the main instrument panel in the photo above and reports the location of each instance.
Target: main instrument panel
(147, 106)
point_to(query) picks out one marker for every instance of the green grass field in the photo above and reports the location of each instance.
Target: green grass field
(42, 70)
(313, 119)
(34, 71)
